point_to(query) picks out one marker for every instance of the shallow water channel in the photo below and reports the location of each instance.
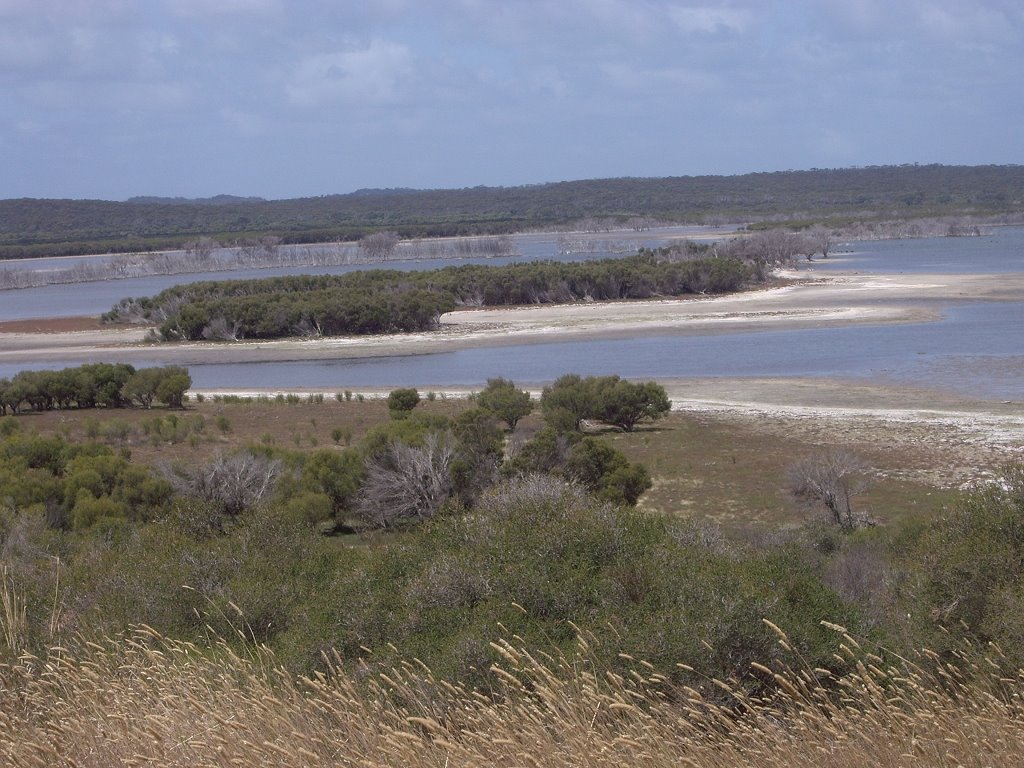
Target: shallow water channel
(976, 348)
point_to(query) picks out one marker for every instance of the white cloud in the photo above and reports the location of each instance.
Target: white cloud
(374, 74)
(710, 20)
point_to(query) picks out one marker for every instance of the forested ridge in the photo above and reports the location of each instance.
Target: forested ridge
(38, 227)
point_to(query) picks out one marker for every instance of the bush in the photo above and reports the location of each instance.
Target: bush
(402, 401)
(505, 401)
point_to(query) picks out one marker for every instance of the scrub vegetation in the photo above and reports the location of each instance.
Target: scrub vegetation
(485, 579)
(383, 301)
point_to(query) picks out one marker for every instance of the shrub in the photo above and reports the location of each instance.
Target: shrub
(504, 400)
(401, 401)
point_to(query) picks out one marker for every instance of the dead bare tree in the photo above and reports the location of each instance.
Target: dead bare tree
(408, 481)
(831, 480)
(235, 483)
(820, 239)
(379, 246)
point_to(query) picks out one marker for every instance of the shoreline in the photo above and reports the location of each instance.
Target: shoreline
(810, 301)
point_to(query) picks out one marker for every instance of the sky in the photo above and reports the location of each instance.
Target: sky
(290, 98)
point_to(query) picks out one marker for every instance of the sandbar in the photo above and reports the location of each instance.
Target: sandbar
(807, 300)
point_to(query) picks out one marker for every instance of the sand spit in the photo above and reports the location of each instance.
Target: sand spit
(808, 302)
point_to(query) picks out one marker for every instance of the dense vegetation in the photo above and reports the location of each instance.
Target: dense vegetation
(94, 385)
(62, 227)
(469, 536)
(382, 301)
(467, 532)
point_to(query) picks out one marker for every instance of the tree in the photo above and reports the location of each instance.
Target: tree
(821, 240)
(625, 404)
(407, 481)
(141, 387)
(172, 386)
(831, 480)
(233, 484)
(606, 472)
(379, 246)
(507, 403)
(401, 401)
(567, 402)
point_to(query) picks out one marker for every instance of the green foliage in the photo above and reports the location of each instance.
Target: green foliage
(572, 399)
(380, 301)
(625, 404)
(605, 471)
(334, 475)
(973, 568)
(401, 402)
(505, 401)
(600, 468)
(537, 554)
(65, 227)
(94, 385)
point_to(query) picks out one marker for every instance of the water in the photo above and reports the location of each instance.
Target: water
(976, 348)
(996, 252)
(95, 298)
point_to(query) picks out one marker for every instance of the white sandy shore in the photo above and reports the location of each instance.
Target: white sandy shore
(808, 303)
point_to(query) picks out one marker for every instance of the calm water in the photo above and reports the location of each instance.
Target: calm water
(976, 348)
(95, 298)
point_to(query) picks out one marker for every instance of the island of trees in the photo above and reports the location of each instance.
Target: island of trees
(383, 301)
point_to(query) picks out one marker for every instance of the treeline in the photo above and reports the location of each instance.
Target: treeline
(95, 385)
(383, 301)
(31, 227)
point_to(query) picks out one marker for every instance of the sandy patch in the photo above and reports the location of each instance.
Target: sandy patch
(810, 302)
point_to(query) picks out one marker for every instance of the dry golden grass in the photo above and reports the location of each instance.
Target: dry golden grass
(147, 700)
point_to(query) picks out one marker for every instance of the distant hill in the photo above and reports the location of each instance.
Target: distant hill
(31, 227)
(216, 200)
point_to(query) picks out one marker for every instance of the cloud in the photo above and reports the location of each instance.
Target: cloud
(668, 81)
(711, 20)
(374, 74)
(207, 8)
(244, 123)
(109, 96)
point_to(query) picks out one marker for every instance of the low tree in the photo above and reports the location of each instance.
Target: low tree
(401, 401)
(407, 481)
(830, 481)
(172, 386)
(567, 402)
(232, 484)
(142, 385)
(379, 245)
(505, 401)
(606, 472)
(625, 404)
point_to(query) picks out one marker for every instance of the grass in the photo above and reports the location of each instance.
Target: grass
(147, 700)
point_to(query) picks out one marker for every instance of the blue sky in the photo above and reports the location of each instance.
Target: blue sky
(115, 98)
